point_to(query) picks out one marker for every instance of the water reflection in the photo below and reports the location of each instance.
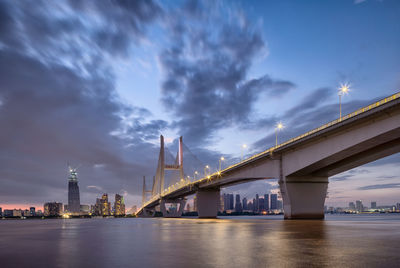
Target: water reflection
(227, 242)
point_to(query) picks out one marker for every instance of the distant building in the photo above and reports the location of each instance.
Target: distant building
(244, 204)
(105, 206)
(257, 204)
(84, 209)
(39, 213)
(373, 205)
(119, 205)
(261, 204)
(250, 206)
(231, 206)
(266, 202)
(32, 211)
(1, 212)
(221, 203)
(359, 206)
(279, 204)
(53, 209)
(238, 204)
(8, 213)
(73, 193)
(352, 206)
(26, 213)
(398, 206)
(274, 201)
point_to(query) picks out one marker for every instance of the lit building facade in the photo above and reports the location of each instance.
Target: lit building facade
(119, 205)
(53, 209)
(74, 204)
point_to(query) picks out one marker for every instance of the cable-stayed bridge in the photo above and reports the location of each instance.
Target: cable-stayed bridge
(302, 164)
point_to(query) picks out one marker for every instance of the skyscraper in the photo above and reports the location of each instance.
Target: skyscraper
(274, 201)
(257, 204)
(244, 205)
(74, 204)
(238, 204)
(373, 204)
(230, 201)
(266, 202)
(359, 206)
(105, 205)
(119, 205)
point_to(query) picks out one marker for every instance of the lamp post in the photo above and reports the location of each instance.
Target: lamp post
(344, 89)
(194, 175)
(242, 148)
(205, 170)
(220, 160)
(278, 127)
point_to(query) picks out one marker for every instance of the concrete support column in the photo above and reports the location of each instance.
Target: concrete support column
(304, 197)
(181, 202)
(208, 203)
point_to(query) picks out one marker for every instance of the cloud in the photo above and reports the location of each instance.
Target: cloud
(380, 186)
(59, 102)
(206, 64)
(356, 2)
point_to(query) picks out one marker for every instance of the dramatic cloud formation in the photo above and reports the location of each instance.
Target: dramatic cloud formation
(59, 102)
(206, 66)
(380, 186)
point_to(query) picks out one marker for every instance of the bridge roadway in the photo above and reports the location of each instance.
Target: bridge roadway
(303, 164)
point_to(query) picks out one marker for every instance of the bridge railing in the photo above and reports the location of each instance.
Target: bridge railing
(216, 174)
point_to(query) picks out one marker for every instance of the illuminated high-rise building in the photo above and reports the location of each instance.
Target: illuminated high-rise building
(119, 205)
(74, 204)
(105, 205)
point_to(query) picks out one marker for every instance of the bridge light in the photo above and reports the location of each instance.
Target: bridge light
(343, 89)
(242, 148)
(205, 170)
(279, 126)
(220, 160)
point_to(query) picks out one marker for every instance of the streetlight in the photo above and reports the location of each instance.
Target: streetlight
(205, 170)
(220, 160)
(278, 127)
(194, 175)
(344, 89)
(243, 147)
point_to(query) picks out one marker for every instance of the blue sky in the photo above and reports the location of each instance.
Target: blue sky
(96, 83)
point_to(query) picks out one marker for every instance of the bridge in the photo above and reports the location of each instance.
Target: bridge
(302, 164)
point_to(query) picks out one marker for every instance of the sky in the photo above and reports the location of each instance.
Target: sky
(93, 84)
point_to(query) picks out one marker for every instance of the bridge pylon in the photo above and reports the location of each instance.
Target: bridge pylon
(159, 183)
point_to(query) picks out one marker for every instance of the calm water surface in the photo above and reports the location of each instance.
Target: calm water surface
(338, 241)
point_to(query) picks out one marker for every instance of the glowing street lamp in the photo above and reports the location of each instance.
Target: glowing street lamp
(242, 148)
(220, 160)
(278, 128)
(344, 89)
(205, 170)
(194, 175)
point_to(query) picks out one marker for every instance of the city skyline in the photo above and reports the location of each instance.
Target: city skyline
(97, 88)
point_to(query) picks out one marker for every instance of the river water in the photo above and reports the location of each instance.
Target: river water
(258, 241)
